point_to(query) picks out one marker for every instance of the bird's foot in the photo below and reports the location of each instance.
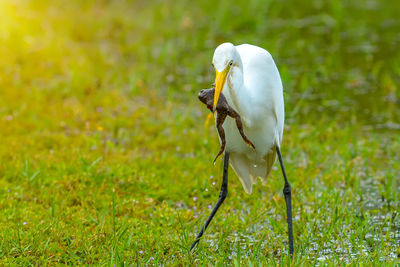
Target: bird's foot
(194, 245)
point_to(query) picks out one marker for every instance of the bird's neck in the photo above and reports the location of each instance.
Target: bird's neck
(236, 92)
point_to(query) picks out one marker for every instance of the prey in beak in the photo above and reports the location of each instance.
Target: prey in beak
(207, 96)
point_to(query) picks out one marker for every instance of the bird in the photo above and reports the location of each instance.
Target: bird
(250, 81)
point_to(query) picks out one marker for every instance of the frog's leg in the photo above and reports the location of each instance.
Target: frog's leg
(232, 113)
(220, 120)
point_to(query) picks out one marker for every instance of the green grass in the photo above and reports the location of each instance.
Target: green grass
(104, 157)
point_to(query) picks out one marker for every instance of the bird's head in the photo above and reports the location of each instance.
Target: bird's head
(224, 59)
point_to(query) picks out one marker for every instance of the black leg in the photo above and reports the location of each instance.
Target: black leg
(288, 198)
(221, 198)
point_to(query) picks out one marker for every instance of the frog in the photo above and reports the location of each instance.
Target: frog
(223, 110)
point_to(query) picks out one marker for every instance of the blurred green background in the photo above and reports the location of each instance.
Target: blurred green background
(104, 157)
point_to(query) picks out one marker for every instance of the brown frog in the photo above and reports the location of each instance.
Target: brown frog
(223, 109)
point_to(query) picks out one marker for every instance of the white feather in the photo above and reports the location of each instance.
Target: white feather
(254, 89)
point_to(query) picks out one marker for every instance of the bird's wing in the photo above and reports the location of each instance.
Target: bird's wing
(263, 82)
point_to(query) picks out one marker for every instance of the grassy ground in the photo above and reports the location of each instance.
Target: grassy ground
(104, 157)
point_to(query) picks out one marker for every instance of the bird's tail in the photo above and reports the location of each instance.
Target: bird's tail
(247, 170)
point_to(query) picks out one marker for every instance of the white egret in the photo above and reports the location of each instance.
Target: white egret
(250, 81)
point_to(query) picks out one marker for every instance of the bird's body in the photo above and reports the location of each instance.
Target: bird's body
(252, 86)
(254, 89)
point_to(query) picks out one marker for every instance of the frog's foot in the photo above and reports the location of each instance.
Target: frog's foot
(219, 154)
(249, 143)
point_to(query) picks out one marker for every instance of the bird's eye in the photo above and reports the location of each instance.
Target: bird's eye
(231, 63)
(212, 64)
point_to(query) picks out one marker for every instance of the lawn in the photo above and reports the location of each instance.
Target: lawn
(105, 158)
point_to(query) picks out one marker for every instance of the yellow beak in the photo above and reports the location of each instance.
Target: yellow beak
(219, 84)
